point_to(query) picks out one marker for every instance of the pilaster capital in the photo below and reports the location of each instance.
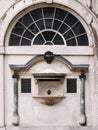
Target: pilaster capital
(15, 75)
(82, 76)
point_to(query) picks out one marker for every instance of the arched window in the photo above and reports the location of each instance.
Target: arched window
(48, 26)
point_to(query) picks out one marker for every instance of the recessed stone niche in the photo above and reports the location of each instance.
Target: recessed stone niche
(49, 87)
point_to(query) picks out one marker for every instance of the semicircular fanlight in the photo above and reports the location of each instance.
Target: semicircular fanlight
(48, 26)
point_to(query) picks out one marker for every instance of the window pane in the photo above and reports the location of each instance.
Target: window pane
(83, 41)
(63, 28)
(40, 24)
(60, 14)
(25, 85)
(39, 40)
(25, 42)
(33, 28)
(48, 23)
(28, 34)
(71, 42)
(18, 29)
(71, 85)
(26, 20)
(68, 35)
(14, 40)
(58, 40)
(56, 24)
(78, 29)
(48, 12)
(36, 14)
(48, 35)
(70, 20)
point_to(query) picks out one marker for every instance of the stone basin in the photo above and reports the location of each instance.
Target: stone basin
(49, 100)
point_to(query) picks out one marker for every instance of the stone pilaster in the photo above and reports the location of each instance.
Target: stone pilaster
(15, 111)
(82, 120)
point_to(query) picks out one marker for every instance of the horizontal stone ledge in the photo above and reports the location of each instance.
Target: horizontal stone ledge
(52, 128)
(61, 50)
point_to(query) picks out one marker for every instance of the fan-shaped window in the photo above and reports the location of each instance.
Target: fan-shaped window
(48, 26)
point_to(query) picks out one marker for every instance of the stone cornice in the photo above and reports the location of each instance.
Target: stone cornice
(37, 58)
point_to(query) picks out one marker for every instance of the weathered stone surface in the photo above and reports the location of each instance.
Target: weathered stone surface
(65, 114)
(52, 128)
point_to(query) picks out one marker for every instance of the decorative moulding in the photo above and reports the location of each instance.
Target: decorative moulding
(48, 57)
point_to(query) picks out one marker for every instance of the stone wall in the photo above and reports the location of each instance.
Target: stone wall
(92, 4)
(7, 9)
